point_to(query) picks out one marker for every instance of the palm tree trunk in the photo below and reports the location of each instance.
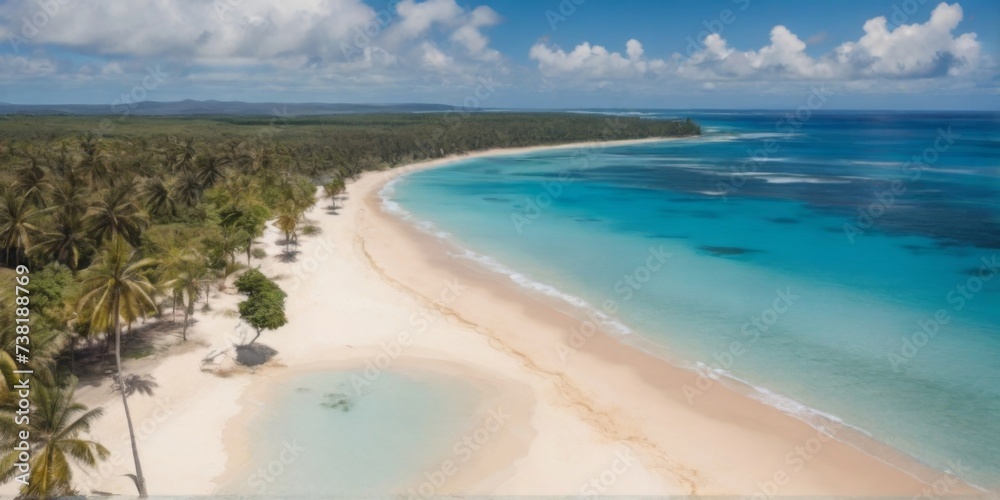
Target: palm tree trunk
(249, 245)
(140, 481)
(184, 331)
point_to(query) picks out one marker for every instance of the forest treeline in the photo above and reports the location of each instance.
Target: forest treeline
(113, 221)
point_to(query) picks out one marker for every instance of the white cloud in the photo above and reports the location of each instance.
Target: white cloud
(913, 50)
(324, 38)
(595, 61)
(925, 50)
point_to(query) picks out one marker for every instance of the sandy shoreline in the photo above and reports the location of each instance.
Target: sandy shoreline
(358, 284)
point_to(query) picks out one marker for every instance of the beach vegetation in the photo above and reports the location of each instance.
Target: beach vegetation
(54, 434)
(120, 225)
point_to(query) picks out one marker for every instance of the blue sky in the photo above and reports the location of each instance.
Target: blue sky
(921, 54)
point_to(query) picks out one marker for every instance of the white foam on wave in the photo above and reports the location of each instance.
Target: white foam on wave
(389, 205)
(607, 322)
(799, 179)
(525, 281)
(876, 163)
(615, 113)
(818, 419)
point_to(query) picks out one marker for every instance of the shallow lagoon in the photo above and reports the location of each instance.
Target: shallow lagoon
(321, 438)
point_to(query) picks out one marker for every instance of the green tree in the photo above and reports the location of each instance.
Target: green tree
(264, 308)
(115, 286)
(187, 285)
(54, 437)
(16, 226)
(158, 195)
(287, 223)
(68, 244)
(116, 214)
(333, 189)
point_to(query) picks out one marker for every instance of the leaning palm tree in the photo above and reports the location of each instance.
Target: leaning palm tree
(114, 287)
(54, 436)
(117, 215)
(187, 285)
(69, 244)
(16, 228)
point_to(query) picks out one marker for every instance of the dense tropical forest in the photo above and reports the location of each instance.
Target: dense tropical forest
(109, 221)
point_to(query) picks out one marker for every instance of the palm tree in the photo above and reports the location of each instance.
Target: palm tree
(211, 170)
(159, 197)
(231, 241)
(287, 222)
(46, 344)
(189, 189)
(188, 285)
(16, 229)
(333, 188)
(182, 157)
(117, 215)
(69, 244)
(115, 287)
(92, 164)
(31, 183)
(53, 431)
(70, 195)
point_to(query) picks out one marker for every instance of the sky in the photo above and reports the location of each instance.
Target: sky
(861, 54)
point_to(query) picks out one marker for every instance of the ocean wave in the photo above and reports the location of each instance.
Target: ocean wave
(607, 322)
(876, 163)
(616, 113)
(800, 179)
(529, 283)
(389, 205)
(818, 419)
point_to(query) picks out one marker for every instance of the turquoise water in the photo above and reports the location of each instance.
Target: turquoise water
(848, 299)
(321, 438)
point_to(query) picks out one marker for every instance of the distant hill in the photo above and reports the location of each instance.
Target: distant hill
(190, 107)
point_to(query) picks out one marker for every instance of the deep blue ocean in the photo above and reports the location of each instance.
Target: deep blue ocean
(844, 264)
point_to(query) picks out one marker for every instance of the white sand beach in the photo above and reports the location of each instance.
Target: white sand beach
(608, 418)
